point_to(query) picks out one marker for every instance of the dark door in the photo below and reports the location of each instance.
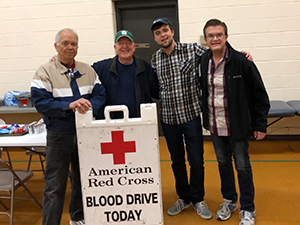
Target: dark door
(137, 17)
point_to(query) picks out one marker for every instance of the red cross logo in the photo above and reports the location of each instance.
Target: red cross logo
(118, 147)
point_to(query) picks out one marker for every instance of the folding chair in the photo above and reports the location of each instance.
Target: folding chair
(4, 149)
(41, 152)
(10, 181)
(2, 122)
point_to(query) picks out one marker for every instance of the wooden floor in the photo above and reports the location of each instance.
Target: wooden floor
(276, 169)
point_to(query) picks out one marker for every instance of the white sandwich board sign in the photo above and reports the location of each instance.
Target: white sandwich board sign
(120, 168)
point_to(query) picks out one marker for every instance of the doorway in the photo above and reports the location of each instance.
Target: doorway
(137, 17)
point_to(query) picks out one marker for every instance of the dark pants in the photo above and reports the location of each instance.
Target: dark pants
(225, 148)
(61, 152)
(191, 133)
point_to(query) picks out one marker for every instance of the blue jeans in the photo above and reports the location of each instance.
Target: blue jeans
(225, 149)
(191, 133)
(60, 153)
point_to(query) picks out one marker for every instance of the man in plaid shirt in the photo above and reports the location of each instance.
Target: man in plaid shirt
(177, 68)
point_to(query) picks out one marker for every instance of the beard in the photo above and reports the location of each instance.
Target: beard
(168, 44)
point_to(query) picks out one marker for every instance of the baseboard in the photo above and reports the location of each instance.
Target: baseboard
(267, 138)
(291, 137)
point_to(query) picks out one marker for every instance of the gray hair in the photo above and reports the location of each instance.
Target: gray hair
(57, 36)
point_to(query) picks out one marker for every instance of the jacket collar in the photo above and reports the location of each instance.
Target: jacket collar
(64, 70)
(140, 67)
(227, 52)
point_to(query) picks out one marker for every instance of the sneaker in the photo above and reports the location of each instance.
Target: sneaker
(202, 210)
(178, 206)
(79, 222)
(247, 218)
(227, 208)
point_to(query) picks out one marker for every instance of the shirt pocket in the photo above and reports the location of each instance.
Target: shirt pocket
(188, 73)
(237, 86)
(186, 66)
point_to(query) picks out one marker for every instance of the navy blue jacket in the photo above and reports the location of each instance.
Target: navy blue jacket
(146, 82)
(248, 101)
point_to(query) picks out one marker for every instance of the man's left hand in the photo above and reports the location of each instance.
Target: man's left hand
(248, 55)
(259, 135)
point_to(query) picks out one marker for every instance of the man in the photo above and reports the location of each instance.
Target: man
(176, 66)
(58, 89)
(235, 105)
(127, 79)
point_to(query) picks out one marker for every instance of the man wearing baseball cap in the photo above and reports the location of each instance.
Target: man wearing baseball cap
(180, 113)
(127, 79)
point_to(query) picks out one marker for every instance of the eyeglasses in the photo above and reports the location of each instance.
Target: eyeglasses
(218, 36)
(128, 43)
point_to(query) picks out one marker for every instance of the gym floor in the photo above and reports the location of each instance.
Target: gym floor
(276, 166)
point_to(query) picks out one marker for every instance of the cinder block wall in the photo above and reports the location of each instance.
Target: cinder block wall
(268, 29)
(28, 28)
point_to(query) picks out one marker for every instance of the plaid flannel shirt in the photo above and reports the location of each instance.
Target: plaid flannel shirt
(179, 82)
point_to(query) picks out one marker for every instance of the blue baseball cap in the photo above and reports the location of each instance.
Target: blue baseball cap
(160, 20)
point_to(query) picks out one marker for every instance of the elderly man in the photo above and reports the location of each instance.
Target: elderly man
(58, 89)
(235, 105)
(128, 79)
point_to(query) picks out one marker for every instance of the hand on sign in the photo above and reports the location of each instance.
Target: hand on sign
(82, 105)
